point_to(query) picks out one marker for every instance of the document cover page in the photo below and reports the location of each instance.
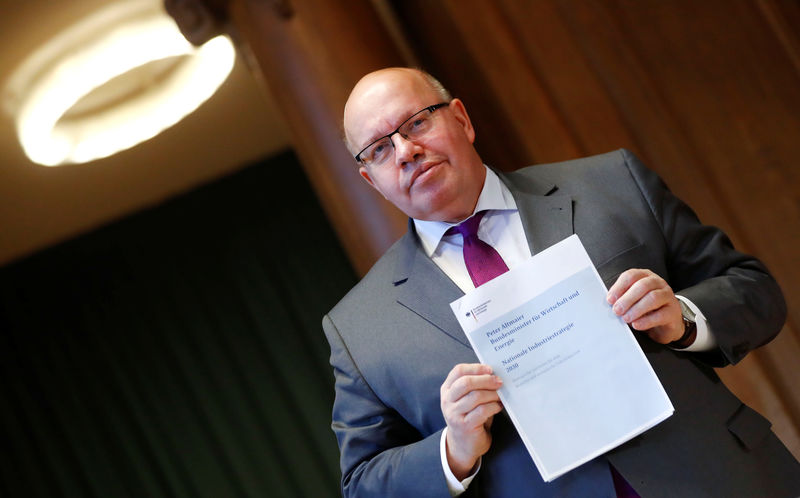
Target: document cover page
(575, 382)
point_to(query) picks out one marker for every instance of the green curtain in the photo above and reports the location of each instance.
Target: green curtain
(177, 352)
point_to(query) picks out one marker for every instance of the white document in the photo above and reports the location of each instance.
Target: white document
(575, 382)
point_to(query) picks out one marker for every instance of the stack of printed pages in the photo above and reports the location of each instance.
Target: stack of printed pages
(575, 382)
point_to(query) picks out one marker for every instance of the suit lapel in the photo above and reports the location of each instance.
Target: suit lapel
(546, 215)
(546, 220)
(423, 288)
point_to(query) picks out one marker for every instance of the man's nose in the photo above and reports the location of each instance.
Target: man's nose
(405, 150)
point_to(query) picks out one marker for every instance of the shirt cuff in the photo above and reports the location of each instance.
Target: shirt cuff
(705, 340)
(455, 486)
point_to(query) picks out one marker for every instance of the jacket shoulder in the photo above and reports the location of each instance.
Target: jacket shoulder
(614, 159)
(378, 279)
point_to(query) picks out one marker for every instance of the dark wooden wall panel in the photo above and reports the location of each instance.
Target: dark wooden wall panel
(705, 92)
(309, 54)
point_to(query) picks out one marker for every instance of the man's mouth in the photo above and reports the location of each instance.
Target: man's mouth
(420, 173)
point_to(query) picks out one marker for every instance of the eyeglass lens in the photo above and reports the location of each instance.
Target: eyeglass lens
(413, 128)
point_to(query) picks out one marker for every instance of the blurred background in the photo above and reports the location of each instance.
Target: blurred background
(156, 336)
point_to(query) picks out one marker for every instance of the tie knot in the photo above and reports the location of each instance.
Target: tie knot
(469, 227)
(483, 262)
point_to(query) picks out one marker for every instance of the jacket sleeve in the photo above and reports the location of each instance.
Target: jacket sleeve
(381, 454)
(743, 304)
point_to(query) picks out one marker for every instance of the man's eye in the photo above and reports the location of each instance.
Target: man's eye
(381, 150)
(418, 126)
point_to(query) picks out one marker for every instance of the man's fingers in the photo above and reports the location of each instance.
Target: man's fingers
(471, 400)
(463, 369)
(479, 416)
(653, 319)
(473, 420)
(624, 281)
(646, 302)
(469, 383)
(636, 291)
(649, 303)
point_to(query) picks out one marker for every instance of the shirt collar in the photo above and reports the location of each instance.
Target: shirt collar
(494, 195)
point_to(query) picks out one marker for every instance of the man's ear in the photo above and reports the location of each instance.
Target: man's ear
(365, 175)
(460, 113)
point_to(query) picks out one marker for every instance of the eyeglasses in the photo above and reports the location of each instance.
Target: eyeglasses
(379, 151)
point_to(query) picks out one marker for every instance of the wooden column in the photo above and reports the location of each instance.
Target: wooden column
(309, 54)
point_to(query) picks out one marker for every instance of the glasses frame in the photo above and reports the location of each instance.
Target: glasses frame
(430, 109)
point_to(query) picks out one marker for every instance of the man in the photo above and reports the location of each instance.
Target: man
(416, 415)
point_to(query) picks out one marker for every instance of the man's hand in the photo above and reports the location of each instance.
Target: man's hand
(469, 402)
(646, 302)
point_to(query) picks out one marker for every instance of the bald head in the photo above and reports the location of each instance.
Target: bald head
(430, 171)
(374, 84)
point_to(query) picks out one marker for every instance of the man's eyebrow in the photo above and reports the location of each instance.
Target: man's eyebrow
(379, 135)
(374, 138)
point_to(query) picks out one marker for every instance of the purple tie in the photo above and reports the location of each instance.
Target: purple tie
(482, 260)
(621, 486)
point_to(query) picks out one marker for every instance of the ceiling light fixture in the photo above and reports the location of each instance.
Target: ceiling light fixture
(116, 79)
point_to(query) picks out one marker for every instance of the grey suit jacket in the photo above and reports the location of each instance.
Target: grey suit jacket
(394, 338)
